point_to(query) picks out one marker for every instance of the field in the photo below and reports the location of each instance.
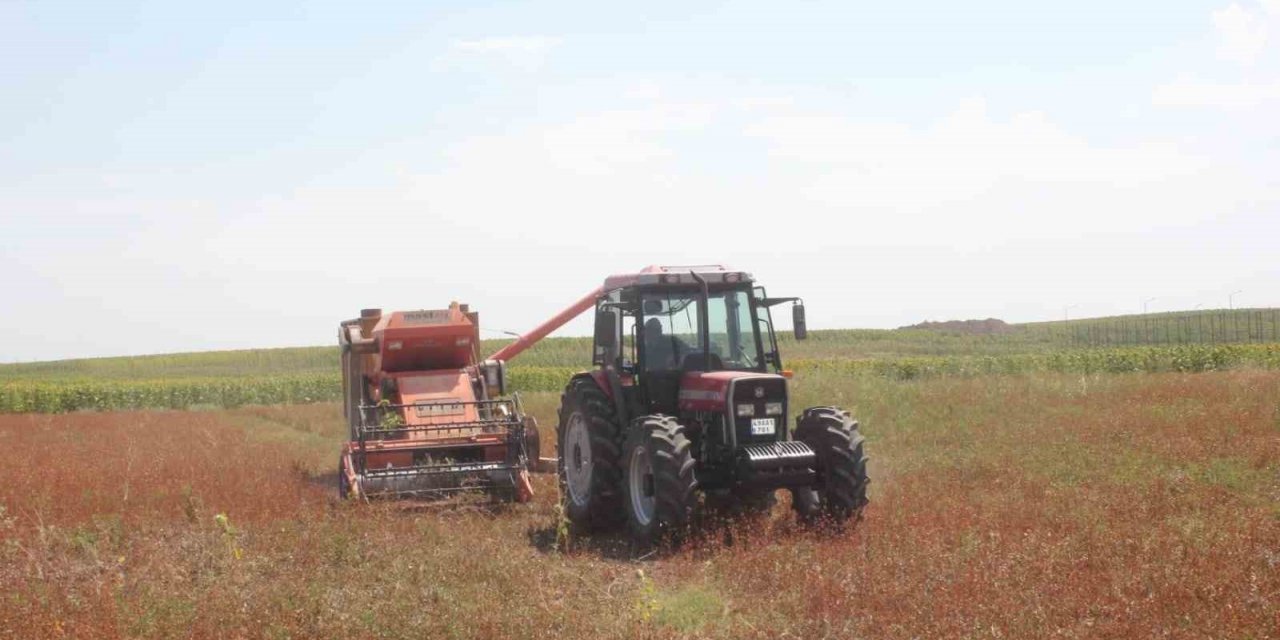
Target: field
(1134, 499)
(1014, 506)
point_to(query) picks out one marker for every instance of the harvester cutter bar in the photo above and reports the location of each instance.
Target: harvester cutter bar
(476, 476)
(441, 491)
(441, 469)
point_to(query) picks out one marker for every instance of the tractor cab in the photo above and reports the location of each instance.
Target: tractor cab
(660, 329)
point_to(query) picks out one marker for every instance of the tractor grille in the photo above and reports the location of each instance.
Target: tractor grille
(779, 454)
(773, 389)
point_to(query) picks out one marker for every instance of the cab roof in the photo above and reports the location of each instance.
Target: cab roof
(676, 275)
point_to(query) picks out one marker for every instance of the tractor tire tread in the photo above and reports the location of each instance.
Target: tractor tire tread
(674, 478)
(842, 487)
(603, 512)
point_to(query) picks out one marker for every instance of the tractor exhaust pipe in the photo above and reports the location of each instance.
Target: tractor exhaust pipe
(704, 326)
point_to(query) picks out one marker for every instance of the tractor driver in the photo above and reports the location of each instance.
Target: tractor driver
(661, 351)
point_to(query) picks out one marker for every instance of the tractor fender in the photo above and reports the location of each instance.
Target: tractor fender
(601, 379)
(607, 380)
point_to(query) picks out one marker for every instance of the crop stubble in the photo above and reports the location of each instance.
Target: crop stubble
(1015, 506)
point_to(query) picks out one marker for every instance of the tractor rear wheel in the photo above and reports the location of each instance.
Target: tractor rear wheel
(660, 486)
(589, 455)
(841, 489)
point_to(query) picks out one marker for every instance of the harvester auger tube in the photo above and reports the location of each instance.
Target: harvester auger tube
(541, 331)
(524, 341)
(426, 416)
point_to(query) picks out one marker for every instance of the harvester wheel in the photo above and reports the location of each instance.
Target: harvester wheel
(344, 487)
(841, 489)
(589, 453)
(532, 442)
(660, 485)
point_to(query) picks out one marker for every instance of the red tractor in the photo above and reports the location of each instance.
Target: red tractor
(688, 397)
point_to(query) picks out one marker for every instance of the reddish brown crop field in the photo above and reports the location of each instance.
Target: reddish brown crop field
(1029, 506)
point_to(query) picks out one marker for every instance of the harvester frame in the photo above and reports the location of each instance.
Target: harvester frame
(426, 415)
(373, 432)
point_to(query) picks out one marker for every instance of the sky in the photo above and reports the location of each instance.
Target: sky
(183, 176)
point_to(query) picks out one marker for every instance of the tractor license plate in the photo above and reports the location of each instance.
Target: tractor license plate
(762, 426)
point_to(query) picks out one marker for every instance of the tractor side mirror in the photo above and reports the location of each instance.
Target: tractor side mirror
(797, 321)
(607, 330)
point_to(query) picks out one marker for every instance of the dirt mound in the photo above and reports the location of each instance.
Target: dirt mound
(989, 326)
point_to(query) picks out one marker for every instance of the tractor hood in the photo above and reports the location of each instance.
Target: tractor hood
(710, 390)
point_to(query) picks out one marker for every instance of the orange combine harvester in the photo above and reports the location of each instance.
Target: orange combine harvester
(426, 415)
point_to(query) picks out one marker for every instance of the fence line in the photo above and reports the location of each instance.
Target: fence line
(1183, 327)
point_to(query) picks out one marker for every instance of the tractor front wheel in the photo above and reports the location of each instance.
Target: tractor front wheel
(841, 489)
(659, 484)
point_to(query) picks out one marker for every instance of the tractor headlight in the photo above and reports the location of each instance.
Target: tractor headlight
(773, 408)
(746, 410)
